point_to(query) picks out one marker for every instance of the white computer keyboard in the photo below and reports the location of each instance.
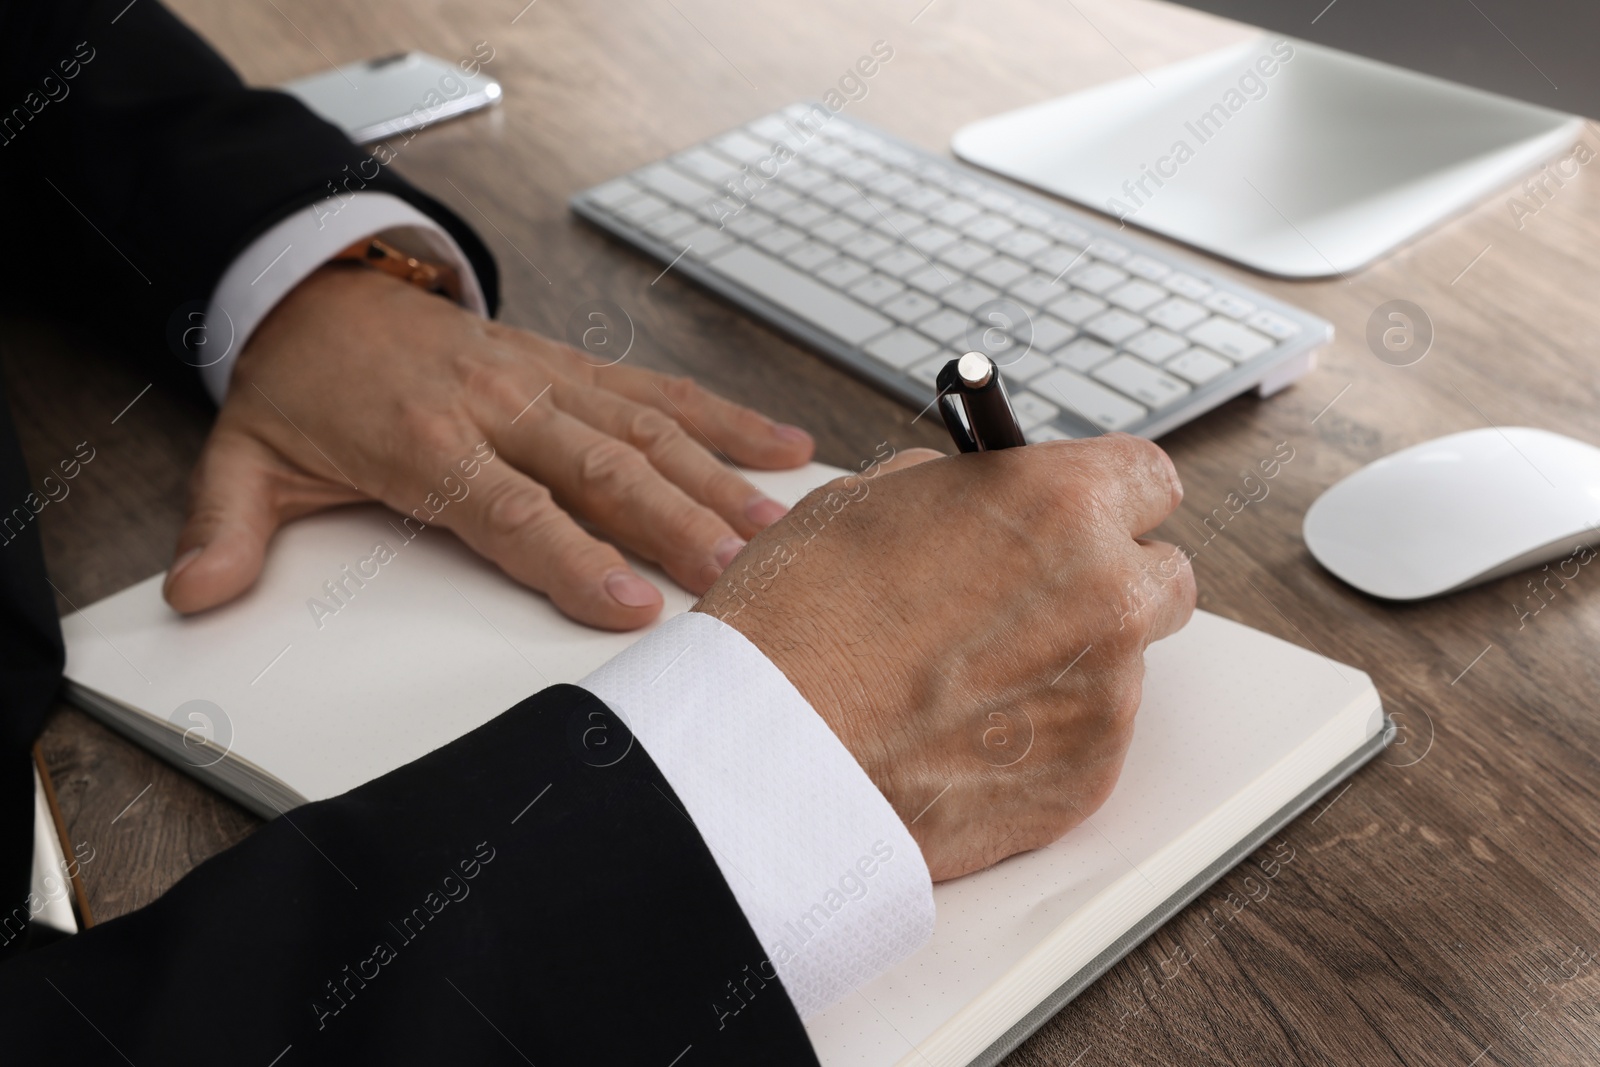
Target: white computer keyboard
(892, 261)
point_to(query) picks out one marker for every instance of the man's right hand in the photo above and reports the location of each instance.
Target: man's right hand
(973, 629)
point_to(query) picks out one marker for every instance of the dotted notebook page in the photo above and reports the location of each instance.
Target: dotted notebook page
(1223, 705)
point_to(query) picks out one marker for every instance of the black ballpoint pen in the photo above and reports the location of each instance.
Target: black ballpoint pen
(973, 383)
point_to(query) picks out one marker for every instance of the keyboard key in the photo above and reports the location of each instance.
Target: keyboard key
(1038, 290)
(909, 306)
(615, 193)
(955, 212)
(1055, 260)
(1028, 365)
(1001, 272)
(742, 147)
(1198, 366)
(988, 228)
(1146, 268)
(1077, 308)
(804, 215)
(932, 238)
(862, 211)
(1273, 325)
(1236, 342)
(796, 293)
(919, 197)
(675, 185)
(927, 372)
(1084, 354)
(1141, 381)
(1177, 314)
(1050, 334)
(875, 289)
(860, 170)
(929, 279)
(1032, 409)
(827, 154)
(1108, 251)
(947, 327)
(1029, 215)
(1089, 400)
(775, 200)
(804, 178)
(1096, 277)
(1235, 307)
(1186, 285)
(780, 239)
(995, 200)
(810, 255)
(1067, 232)
(1023, 244)
(643, 208)
(1114, 326)
(1155, 345)
(704, 242)
(706, 166)
(964, 255)
(890, 183)
(899, 261)
(901, 348)
(897, 223)
(670, 225)
(836, 193)
(836, 231)
(968, 296)
(1047, 433)
(867, 245)
(844, 272)
(749, 224)
(1136, 295)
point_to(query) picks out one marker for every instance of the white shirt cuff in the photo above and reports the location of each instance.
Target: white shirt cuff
(827, 875)
(286, 254)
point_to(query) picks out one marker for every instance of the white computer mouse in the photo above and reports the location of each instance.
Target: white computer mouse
(1458, 510)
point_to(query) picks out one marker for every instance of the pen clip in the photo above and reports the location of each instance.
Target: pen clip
(956, 418)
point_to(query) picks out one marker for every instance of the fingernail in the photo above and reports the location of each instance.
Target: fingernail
(726, 549)
(630, 590)
(182, 562)
(764, 511)
(785, 432)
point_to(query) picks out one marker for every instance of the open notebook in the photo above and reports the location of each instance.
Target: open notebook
(275, 701)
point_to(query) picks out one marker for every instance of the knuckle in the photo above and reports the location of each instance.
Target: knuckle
(609, 469)
(682, 390)
(513, 510)
(432, 431)
(651, 429)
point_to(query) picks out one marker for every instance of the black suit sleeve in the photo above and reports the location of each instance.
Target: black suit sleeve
(504, 900)
(135, 165)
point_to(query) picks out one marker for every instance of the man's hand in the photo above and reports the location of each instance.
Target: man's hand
(973, 629)
(361, 387)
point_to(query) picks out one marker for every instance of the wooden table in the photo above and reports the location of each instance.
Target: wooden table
(1433, 909)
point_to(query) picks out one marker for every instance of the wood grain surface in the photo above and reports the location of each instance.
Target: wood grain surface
(1442, 909)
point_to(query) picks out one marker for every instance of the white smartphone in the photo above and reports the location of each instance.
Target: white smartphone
(379, 98)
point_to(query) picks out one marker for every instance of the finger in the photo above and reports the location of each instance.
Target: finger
(610, 484)
(513, 520)
(911, 457)
(681, 459)
(1138, 478)
(743, 435)
(235, 505)
(1168, 583)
